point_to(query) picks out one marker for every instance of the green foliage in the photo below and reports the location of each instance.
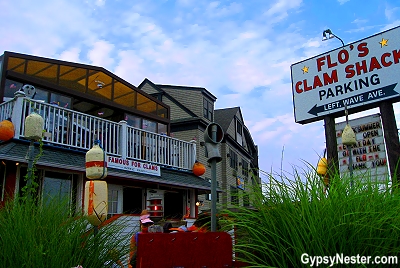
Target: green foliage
(46, 237)
(30, 189)
(292, 217)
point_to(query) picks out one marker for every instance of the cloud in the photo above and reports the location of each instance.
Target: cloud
(71, 54)
(279, 10)
(44, 29)
(214, 9)
(99, 54)
(343, 1)
(100, 3)
(390, 12)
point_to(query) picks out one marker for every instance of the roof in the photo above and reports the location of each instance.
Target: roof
(160, 90)
(224, 117)
(83, 82)
(202, 89)
(57, 157)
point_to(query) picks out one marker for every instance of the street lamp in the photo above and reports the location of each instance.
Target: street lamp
(327, 34)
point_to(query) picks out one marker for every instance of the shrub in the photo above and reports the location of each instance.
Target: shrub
(296, 217)
(47, 237)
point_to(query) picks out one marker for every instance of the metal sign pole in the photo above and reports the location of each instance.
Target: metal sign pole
(213, 184)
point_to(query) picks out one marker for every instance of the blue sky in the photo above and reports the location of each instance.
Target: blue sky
(241, 51)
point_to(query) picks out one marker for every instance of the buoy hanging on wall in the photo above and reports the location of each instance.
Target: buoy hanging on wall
(96, 165)
(198, 168)
(6, 130)
(96, 202)
(34, 124)
(348, 136)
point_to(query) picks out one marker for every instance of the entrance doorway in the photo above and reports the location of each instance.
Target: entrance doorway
(174, 205)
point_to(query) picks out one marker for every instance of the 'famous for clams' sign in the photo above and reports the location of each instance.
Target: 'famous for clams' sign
(361, 73)
(368, 154)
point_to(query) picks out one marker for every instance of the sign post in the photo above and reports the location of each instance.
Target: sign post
(361, 75)
(213, 135)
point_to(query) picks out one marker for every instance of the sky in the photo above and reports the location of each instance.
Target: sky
(240, 51)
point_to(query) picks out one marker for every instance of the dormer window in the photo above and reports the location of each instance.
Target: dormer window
(208, 109)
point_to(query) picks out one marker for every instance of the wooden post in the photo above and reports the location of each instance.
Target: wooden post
(391, 139)
(331, 146)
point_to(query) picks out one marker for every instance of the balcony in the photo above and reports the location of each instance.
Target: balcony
(74, 130)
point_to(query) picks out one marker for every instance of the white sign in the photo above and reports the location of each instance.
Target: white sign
(135, 166)
(369, 154)
(361, 73)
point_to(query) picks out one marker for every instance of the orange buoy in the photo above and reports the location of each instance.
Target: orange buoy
(198, 168)
(6, 130)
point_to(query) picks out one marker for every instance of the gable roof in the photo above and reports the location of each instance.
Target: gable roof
(202, 89)
(165, 94)
(225, 116)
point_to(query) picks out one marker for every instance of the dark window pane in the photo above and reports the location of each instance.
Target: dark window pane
(11, 87)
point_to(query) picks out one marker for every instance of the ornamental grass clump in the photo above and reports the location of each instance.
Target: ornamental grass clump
(295, 216)
(46, 236)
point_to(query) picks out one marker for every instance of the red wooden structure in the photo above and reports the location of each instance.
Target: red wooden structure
(185, 250)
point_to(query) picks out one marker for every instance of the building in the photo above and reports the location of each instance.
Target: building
(192, 109)
(147, 167)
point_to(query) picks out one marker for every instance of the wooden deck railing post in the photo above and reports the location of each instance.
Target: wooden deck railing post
(17, 117)
(123, 139)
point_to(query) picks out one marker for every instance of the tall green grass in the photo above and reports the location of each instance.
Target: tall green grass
(295, 216)
(47, 237)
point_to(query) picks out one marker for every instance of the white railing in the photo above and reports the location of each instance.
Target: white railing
(68, 128)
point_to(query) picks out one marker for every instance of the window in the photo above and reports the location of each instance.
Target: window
(245, 168)
(208, 109)
(58, 187)
(239, 132)
(234, 196)
(11, 87)
(233, 159)
(114, 199)
(246, 200)
(149, 126)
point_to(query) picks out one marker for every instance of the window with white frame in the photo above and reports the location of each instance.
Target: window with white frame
(115, 199)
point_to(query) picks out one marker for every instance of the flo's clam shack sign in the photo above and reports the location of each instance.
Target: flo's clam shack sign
(134, 166)
(368, 154)
(358, 75)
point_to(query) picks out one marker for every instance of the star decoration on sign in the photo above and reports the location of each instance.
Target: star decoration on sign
(305, 69)
(384, 42)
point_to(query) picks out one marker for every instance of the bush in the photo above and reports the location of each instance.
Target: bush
(296, 217)
(47, 237)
